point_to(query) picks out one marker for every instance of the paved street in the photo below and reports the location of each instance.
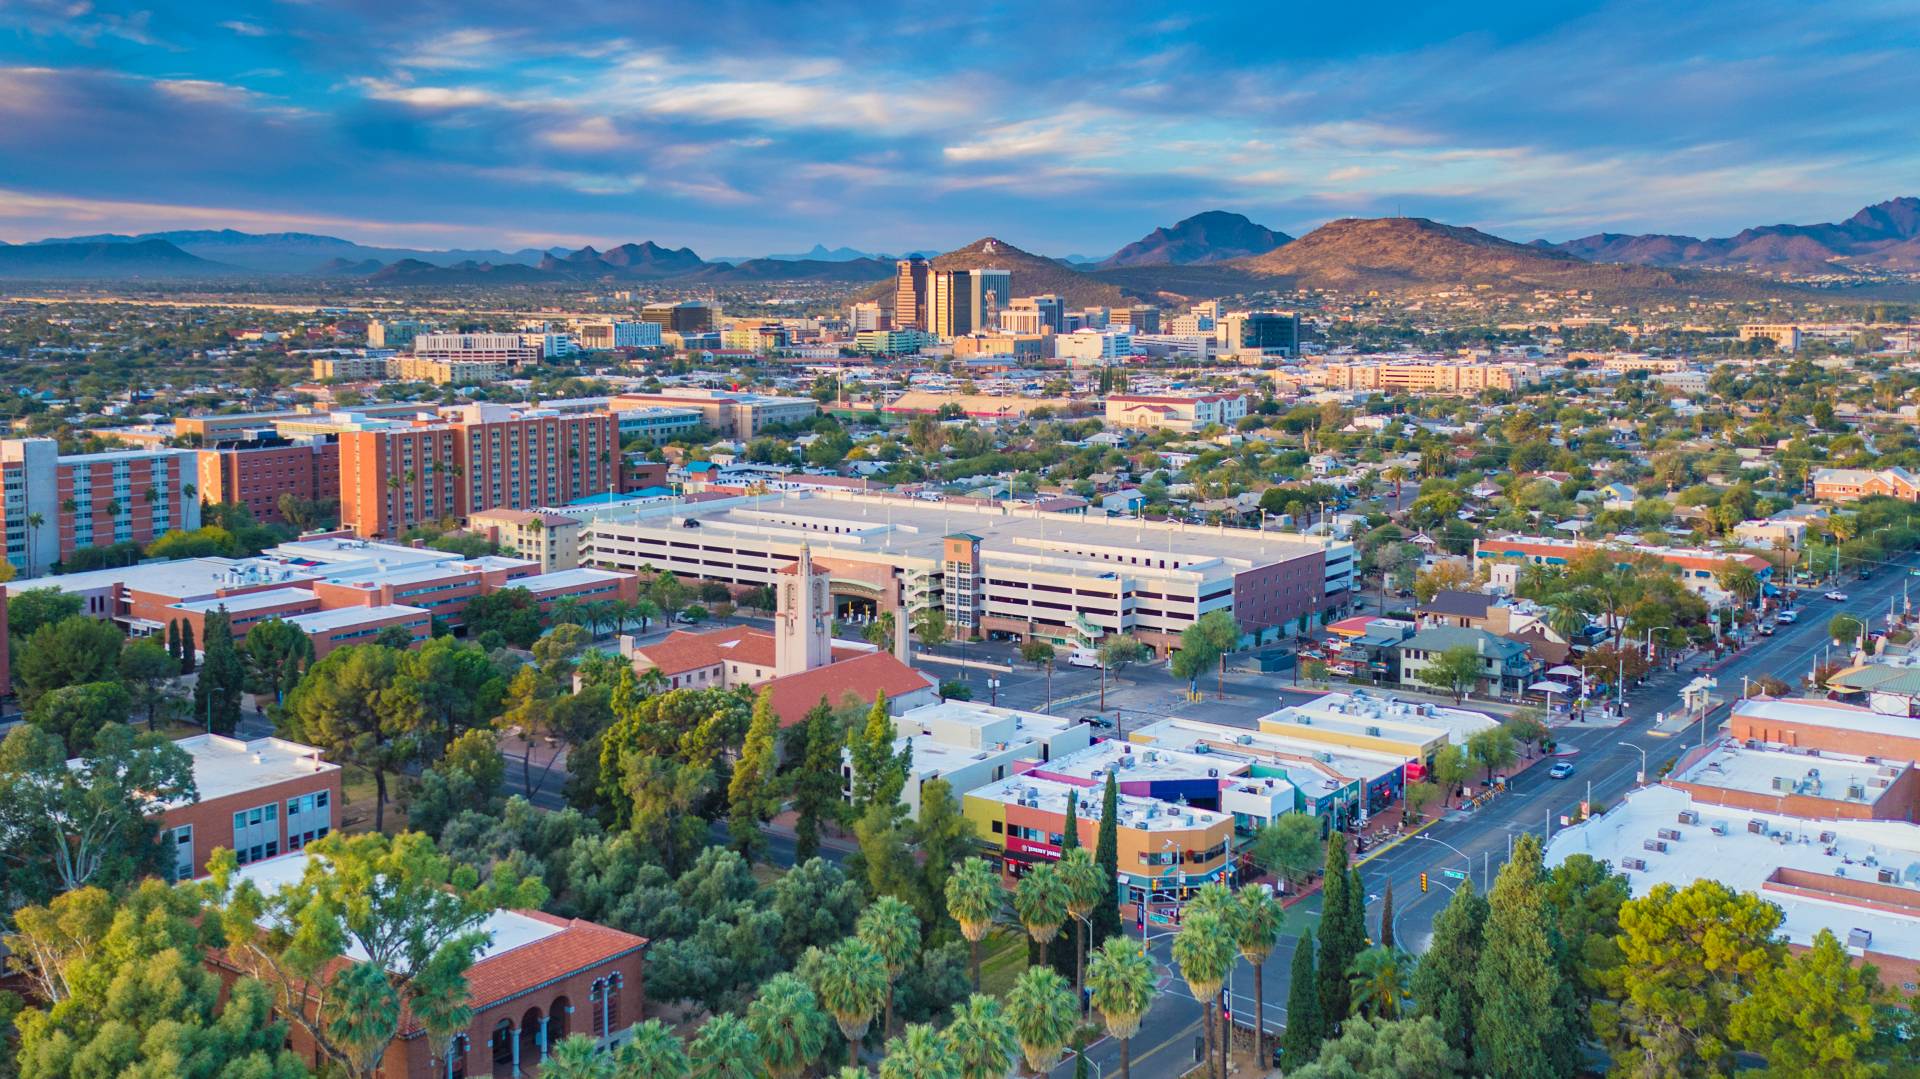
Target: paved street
(1609, 759)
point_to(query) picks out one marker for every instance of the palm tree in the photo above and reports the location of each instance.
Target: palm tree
(1740, 581)
(1567, 613)
(1121, 979)
(919, 1053)
(1380, 977)
(974, 897)
(35, 522)
(1204, 950)
(982, 1038)
(646, 611)
(1086, 887)
(889, 927)
(725, 1049)
(652, 1051)
(565, 611)
(1395, 474)
(850, 982)
(791, 1028)
(576, 1056)
(1044, 1015)
(1040, 902)
(1257, 919)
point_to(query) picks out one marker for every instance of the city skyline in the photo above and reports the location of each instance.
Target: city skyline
(753, 128)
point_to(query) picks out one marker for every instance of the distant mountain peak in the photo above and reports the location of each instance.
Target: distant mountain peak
(1206, 237)
(1885, 235)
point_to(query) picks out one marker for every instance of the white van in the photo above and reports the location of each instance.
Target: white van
(1082, 657)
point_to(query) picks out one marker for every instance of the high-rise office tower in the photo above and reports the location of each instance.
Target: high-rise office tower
(949, 303)
(910, 294)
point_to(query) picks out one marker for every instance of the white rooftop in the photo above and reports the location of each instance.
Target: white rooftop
(182, 577)
(224, 766)
(343, 549)
(973, 724)
(1832, 714)
(566, 578)
(1414, 720)
(505, 929)
(321, 621)
(1146, 814)
(247, 601)
(1139, 763)
(1335, 762)
(1744, 860)
(1778, 771)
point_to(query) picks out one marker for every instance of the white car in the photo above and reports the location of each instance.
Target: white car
(1837, 596)
(1787, 617)
(1081, 657)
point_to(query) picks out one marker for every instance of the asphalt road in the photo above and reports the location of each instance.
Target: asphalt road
(1610, 759)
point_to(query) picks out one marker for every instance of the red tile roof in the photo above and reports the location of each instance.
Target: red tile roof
(863, 676)
(578, 945)
(684, 651)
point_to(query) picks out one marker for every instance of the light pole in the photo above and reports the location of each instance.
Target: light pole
(1464, 856)
(1652, 656)
(1642, 777)
(993, 691)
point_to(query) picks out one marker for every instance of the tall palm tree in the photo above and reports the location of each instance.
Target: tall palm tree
(725, 1049)
(1567, 613)
(652, 1051)
(1040, 902)
(565, 611)
(889, 927)
(850, 982)
(791, 1028)
(35, 522)
(1121, 979)
(919, 1053)
(1044, 1015)
(1086, 886)
(981, 1038)
(1257, 920)
(646, 611)
(576, 1056)
(974, 898)
(1204, 949)
(1380, 977)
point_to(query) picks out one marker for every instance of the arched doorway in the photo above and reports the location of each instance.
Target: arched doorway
(530, 1053)
(500, 1045)
(559, 1020)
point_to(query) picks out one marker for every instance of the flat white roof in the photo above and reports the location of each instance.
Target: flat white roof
(1744, 860)
(505, 929)
(564, 578)
(224, 766)
(183, 577)
(340, 617)
(1143, 762)
(1834, 714)
(247, 601)
(1146, 814)
(1778, 771)
(1346, 761)
(340, 549)
(1417, 720)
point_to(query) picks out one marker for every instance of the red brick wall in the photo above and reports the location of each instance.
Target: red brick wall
(212, 820)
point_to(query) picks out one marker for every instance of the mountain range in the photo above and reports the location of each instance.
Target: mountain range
(1209, 254)
(1884, 236)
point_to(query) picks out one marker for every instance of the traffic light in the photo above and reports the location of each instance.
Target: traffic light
(1423, 880)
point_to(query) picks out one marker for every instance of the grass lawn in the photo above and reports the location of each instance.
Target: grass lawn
(357, 802)
(1003, 958)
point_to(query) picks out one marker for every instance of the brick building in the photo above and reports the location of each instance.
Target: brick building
(90, 499)
(257, 473)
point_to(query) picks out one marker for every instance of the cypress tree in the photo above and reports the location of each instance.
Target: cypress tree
(1521, 1030)
(1061, 948)
(1300, 1042)
(1386, 918)
(173, 639)
(216, 694)
(1106, 851)
(1356, 915)
(1443, 982)
(187, 658)
(1338, 934)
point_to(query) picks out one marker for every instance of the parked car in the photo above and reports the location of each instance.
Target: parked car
(1560, 770)
(1837, 596)
(1765, 630)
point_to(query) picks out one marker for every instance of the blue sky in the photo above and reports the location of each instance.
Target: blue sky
(741, 128)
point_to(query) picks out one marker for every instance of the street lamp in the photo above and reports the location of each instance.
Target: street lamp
(1642, 777)
(1651, 654)
(1464, 856)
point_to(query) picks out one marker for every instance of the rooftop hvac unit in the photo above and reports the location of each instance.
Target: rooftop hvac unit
(1634, 863)
(1757, 827)
(1828, 837)
(1859, 939)
(1720, 827)
(1782, 783)
(1888, 876)
(1689, 816)
(1243, 740)
(1306, 721)
(1856, 792)
(1658, 846)
(1213, 773)
(1670, 833)
(1879, 782)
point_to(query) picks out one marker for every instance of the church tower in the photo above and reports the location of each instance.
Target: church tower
(803, 626)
